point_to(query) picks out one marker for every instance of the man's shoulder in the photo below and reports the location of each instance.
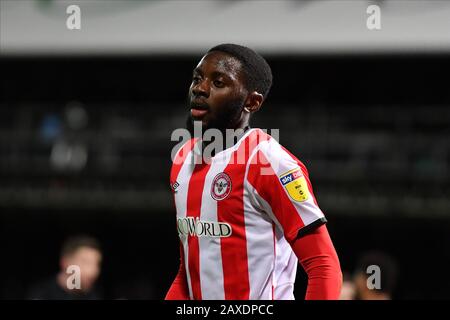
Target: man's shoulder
(269, 144)
(275, 153)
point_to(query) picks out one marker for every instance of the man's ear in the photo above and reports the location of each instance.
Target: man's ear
(64, 263)
(253, 102)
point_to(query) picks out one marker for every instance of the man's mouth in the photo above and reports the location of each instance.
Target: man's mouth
(198, 109)
(197, 113)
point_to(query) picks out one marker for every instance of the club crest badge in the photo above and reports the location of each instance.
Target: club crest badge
(221, 186)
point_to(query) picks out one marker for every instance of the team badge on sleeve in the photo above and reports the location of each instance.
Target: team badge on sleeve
(295, 184)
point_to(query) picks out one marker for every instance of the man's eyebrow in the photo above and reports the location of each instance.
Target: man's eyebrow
(221, 74)
(215, 74)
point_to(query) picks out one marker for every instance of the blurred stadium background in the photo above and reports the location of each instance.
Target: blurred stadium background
(86, 117)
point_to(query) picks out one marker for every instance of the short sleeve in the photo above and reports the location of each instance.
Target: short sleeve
(282, 187)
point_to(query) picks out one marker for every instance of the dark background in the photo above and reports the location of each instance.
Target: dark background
(372, 130)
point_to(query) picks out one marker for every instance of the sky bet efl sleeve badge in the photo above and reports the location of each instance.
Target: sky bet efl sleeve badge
(295, 184)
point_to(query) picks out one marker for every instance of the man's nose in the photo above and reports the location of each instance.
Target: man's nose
(201, 89)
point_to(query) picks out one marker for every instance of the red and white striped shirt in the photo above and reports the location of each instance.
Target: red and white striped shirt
(237, 214)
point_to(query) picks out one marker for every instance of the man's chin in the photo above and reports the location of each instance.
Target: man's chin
(192, 123)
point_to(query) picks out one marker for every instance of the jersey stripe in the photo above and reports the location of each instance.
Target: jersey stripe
(234, 249)
(285, 262)
(260, 237)
(275, 255)
(194, 202)
(181, 174)
(180, 159)
(211, 272)
(282, 207)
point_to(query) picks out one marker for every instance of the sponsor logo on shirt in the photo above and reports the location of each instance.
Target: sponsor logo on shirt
(196, 227)
(221, 186)
(295, 184)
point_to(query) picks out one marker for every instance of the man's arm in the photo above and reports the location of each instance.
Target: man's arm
(317, 255)
(179, 288)
(284, 191)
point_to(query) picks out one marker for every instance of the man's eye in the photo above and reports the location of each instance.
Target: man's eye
(195, 79)
(218, 83)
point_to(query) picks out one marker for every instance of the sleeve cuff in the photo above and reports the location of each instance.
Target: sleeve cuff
(310, 227)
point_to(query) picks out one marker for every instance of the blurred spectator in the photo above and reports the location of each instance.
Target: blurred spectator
(387, 267)
(348, 291)
(83, 252)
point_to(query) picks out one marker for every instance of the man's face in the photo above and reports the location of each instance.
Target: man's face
(89, 261)
(217, 92)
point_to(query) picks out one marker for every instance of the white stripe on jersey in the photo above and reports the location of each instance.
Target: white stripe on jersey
(260, 249)
(181, 206)
(211, 268)
(285, 259)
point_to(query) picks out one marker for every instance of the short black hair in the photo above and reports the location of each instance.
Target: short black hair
(73, 243)
(256, 69)
(388, 267)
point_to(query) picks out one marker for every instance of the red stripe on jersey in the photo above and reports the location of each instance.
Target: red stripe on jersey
(282, 207)
(177, 163)
(194, 202)
(231, 210)
(179, 159)
(274, 257)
